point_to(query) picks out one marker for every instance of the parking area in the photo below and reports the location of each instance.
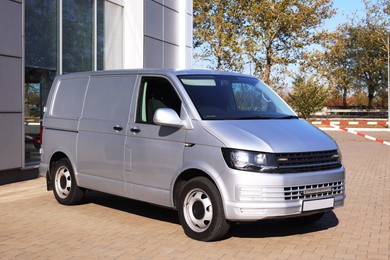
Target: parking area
(34, 226)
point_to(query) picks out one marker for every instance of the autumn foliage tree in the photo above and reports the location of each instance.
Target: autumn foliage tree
(336, 64)
(368, 37)
(354, 57)
(277, 32)
(266, 33)
(217, 34)
(308, 96)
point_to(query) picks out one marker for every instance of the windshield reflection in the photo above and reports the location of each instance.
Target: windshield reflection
(223, 97)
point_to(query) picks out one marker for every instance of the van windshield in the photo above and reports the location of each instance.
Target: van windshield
(223, 97)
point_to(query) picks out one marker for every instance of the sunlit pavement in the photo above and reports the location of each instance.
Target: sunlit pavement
(34, 226)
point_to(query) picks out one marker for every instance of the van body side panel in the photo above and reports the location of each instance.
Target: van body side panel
(102, 133)
(68, 98)
(154, 153)
(100, 162)
(61, 119)
(67, 144)
(156, 158)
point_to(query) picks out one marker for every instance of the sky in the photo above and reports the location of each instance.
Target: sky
(345, 9)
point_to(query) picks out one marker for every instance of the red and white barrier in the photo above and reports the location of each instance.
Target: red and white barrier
(336, 124)
(349, 123)
(360, 134)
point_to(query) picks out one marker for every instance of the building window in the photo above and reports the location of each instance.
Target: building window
(77, 35)
(109, 35)
(40, 68)
(65, 36)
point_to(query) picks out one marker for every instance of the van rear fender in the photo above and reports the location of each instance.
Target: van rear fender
(54, 158)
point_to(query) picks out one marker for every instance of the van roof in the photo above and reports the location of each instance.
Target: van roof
(150, 71)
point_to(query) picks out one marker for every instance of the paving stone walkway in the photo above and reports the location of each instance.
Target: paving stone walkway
(34, 226)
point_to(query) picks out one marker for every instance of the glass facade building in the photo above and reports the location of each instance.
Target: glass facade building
(49, 38)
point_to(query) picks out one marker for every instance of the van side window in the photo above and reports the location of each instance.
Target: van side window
(155, 93)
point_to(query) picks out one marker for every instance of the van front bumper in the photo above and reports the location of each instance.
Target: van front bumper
(261, 196)
(258, 211)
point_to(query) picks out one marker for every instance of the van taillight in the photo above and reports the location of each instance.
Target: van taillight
(40, 133)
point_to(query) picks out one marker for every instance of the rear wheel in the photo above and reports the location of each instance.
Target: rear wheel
(200, 210)
(65, 188)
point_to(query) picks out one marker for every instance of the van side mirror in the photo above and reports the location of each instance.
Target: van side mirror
(167, 117)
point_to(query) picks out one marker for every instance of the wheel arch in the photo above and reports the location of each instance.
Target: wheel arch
(53, 159)
(184, 177)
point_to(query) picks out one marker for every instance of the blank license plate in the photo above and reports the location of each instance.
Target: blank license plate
(318, 204)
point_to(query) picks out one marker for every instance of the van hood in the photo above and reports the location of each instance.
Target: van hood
(273, 136)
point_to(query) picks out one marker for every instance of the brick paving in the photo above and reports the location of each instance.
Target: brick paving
(34, 226)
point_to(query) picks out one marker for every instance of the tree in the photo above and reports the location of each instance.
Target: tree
(354, 57)
(308, 96)
(334, 62)
(217, 32)
(277, 31)
(368, 42)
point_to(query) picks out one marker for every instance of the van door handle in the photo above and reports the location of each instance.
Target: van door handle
(118, 128)
(135, 130)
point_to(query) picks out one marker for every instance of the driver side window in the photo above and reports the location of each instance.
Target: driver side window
(155, 93)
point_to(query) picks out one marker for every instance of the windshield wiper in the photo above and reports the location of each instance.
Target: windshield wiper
(254, 117)
(288, 117)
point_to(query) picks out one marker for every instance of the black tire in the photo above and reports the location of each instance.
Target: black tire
(307, 220)
(65, 188)
(200, 210)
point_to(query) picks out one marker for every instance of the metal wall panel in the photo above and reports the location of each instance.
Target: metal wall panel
(11, 84)
(10, 141)
(168, 29)
(171, 53)
(173, 4)
(153, 53)
(10, 28)
(171, 26)
(154, 20)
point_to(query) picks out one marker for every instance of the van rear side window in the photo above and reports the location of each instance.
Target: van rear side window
(69, 98)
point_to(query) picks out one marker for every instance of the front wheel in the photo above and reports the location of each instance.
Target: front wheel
(200, 210)
(65, 188)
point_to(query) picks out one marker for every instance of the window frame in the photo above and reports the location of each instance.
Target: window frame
(141, 108)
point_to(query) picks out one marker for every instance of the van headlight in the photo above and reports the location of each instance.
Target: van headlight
(250, 161)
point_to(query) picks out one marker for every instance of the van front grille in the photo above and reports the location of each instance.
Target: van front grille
(314, 191)
(306, 162)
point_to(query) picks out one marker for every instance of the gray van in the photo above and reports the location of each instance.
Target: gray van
(218, 147)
